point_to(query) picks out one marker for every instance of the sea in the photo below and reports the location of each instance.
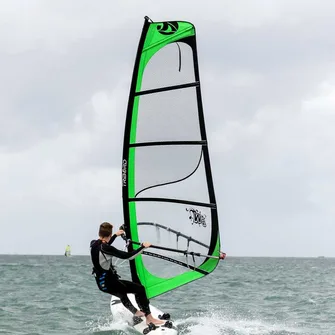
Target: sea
(42, 295)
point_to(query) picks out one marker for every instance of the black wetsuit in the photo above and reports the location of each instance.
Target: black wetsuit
(109, 281)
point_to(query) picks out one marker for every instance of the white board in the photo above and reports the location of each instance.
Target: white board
(119, 311)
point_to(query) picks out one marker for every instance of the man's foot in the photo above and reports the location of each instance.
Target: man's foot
(156, 322)
(139, 313)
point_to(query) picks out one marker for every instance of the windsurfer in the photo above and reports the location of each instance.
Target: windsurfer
(107, 278)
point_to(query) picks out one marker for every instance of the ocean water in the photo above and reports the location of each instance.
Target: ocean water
(244, 296)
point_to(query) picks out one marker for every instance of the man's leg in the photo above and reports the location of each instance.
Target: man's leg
(120, 290)
(114, 286)
(140, 295)
(142, 300)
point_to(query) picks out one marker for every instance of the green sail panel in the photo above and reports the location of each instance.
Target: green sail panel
(168, 193)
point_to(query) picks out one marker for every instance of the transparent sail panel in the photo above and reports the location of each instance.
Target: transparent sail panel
(176, 226)
(170, 115)
(172, 65)
(176, 172)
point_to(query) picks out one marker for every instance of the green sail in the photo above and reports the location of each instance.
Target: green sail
(168, 193)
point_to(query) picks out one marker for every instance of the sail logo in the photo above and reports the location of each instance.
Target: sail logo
(197, 217)
(124, 172)
(168, 28)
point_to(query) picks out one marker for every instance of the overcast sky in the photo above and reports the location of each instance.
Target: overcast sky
(268, 79)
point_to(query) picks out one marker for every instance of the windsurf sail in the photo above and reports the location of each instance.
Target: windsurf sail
(168, 193)
(67, 251)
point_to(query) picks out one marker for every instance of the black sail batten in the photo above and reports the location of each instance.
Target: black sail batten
(176, 201)
(148, 144)
(167, 88)
(126, 141)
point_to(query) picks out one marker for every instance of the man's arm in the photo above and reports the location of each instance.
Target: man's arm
(118, 233)
(110, 250)
(112, 239)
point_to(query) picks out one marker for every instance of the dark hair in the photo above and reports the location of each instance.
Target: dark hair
(105, 229)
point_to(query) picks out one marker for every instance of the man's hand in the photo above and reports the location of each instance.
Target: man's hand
(119, 232)
(222, 255)
(146, 244)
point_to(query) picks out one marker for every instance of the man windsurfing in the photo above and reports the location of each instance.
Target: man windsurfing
(109, 281)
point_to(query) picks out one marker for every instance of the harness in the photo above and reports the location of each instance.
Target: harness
(103, 276)
(100, 275)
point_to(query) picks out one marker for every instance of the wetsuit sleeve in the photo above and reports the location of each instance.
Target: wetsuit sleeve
(112, 239)
(92, 243)
(110, 250)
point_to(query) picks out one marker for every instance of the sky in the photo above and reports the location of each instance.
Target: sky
(267, 70)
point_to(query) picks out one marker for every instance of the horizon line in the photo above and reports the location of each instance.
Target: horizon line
(228, 256)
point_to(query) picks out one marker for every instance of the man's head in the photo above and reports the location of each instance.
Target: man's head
(106, 229)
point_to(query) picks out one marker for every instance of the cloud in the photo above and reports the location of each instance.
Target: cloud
(59, 181)
(268, 92)
(278, 172)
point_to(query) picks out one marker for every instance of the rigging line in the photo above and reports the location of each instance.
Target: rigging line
(172, 182)
(118, 261)
(185, 252)
(186, 255)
